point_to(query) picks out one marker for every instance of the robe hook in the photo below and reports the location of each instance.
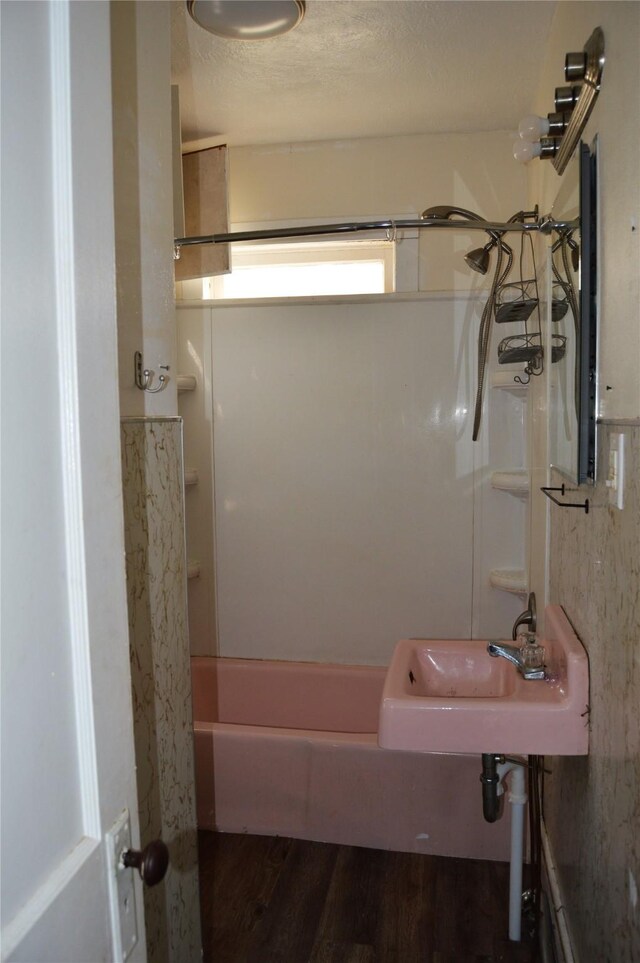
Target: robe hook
(144, 376)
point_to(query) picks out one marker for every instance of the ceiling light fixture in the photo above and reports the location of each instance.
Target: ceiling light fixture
(247, 19)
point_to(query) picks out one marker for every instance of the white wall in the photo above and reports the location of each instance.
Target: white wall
(143, 187)
(351, 506)
(196, 408)
(384, 177)
(343, 469)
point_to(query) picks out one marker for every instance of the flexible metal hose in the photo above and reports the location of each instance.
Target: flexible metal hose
(573, 302)
(446, 212)
(568, 287)
(571, 290)
(484, 333)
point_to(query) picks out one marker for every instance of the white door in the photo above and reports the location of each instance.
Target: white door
(67, 741)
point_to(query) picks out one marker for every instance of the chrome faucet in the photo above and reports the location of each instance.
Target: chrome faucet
(528, 617)
(513, 654)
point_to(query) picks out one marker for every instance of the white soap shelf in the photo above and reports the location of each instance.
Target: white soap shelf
(190, 477)
(514, 482)
(509, 580)
(186, 383)
(193, 569)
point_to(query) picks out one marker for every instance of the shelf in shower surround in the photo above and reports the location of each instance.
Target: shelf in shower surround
(514, 482)
(186, 383)
(509, 580)
(190, 477)
(504, 381)
(193, 569)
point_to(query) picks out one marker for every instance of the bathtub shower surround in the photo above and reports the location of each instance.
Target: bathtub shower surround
(352, 508)
(156, 585)
(592, 807)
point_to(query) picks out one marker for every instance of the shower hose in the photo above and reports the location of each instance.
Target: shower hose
(484, 332)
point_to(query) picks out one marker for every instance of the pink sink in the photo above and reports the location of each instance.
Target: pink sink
(452, 696)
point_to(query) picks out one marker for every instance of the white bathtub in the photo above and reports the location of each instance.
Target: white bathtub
(290, 749)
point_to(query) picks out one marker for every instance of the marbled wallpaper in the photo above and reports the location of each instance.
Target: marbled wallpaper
(592, 805)
(152, 473)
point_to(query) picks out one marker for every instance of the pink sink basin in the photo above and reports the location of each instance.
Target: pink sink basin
(452, 696)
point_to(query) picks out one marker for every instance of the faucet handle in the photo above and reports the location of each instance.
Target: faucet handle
(532, 653)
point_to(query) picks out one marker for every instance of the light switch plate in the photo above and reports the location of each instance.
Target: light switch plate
(122, 898)
(615, 475)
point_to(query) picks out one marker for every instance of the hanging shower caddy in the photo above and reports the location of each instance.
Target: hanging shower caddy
(516, 301)
(527, 349)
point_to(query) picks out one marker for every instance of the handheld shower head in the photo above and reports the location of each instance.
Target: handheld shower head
(568, 239)
(478, 259)
(445, 212)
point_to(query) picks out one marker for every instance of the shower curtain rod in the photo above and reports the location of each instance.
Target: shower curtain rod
(545, 225)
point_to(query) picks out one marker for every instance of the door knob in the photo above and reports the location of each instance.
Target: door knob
(151, 862)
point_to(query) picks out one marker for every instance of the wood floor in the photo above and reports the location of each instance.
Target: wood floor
(275, 900)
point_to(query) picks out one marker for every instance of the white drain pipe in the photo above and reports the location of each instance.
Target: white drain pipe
(517, 797)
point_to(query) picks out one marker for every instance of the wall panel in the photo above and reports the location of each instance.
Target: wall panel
(161, 678)
(346, 479)
(592, 803)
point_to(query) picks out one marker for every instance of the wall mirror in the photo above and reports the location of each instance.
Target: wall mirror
(573, 323)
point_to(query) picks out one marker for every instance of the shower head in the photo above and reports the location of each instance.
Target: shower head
(478, 259)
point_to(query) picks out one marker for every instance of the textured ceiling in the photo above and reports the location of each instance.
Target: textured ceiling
(363, 68)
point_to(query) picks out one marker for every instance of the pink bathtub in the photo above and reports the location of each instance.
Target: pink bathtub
(290, 749)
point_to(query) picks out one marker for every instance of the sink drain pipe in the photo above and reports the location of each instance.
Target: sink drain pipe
(490, 781)
(494, 770)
